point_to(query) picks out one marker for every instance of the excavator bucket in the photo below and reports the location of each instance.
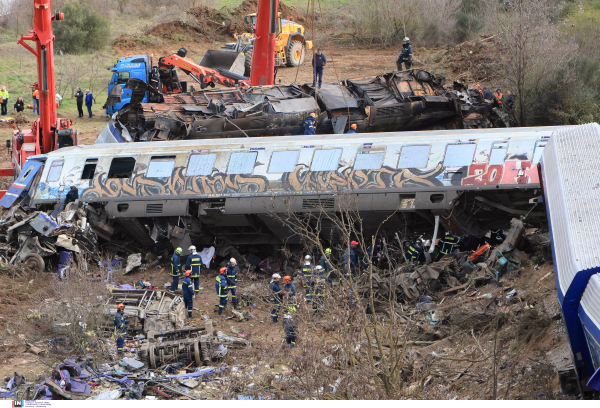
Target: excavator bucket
(219, 60)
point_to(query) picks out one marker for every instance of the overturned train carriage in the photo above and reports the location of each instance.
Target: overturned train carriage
(205, 190)
(397, 101)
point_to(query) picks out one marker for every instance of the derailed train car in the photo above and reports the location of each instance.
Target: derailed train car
(233, 191)
(398, 101)
(570, 177)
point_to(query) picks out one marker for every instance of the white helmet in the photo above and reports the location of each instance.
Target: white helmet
(276, 276)
(318, 268)
(308, 257)
(233, 261)
(192, 248)
(406, 39)
(287, 316)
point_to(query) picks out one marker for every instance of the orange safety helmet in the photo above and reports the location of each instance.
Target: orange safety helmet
(287, 279)
(353, 126)
(223, 270)
(353, 243)
(188, 273)
(120, 306)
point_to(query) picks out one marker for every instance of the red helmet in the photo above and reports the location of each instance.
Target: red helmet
(287, 279)
(120, 306)
(353, 243)
(223, 270)
(188, 273)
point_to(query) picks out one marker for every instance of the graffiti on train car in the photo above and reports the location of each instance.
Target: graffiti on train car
(512, 172)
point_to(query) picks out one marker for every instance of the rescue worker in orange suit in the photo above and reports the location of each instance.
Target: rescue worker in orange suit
(175, 269)
(498, 97)
(194, 264)
(120, 328)
(221, 287)
(232, 272)
(188, 293)
(277, 296)
(352, 128)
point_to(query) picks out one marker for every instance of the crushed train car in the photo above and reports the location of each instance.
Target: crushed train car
(226, 192)
(397, 101)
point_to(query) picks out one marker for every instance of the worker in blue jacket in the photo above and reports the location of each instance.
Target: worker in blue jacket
(277, 296)
(352, 128)
(221, 287)
(89, 100)
(289, 292)
(307, 277)
(120, 328)
(232, 272)
(175, 269)
(350, 259)
(310, 125)
(188, 293)
(319, 280)
(194, 264)
(289, 327)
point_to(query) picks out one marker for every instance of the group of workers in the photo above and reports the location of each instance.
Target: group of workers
(496, 97)
(310, 125)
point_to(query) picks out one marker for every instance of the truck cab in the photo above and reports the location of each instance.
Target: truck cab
(130, 66)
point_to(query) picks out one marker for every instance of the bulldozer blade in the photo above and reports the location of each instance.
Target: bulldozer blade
(225, 60)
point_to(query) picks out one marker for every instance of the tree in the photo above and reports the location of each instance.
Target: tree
(86, 30)
(534, 50)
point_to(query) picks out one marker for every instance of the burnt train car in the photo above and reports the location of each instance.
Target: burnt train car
(232, 191)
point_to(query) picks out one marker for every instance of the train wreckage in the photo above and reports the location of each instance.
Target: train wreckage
(232, 194)
(397, 101)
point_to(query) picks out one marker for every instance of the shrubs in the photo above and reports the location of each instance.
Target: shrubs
(84, 31)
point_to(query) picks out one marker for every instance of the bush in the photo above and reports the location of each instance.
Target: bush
(82, 30)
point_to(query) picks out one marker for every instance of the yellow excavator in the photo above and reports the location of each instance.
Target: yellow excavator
(290, 44)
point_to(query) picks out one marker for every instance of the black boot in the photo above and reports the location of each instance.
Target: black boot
(220, 312)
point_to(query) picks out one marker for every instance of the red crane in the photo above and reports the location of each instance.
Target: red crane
(263, 61)
(48, 133)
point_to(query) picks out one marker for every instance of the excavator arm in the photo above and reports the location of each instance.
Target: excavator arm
(204, 76)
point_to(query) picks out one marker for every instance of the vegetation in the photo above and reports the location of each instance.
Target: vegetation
(86, 29)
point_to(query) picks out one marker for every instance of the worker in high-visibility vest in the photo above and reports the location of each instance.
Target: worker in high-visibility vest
(175, 269)
(194, 264)
(447, 246)
(221, 287)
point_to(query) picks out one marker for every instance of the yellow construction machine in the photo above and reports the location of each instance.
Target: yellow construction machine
(290, 43)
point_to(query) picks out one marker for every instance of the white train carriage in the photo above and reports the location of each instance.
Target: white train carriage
(570, 169)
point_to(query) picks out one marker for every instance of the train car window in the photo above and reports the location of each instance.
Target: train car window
(89, 169)
(26, 173)
(368, 161)
(459, 155)
(283, 162)
(539, 149)
(55, 170)
(498, 153)
(326, 160)
(242, 163)
(201, 165)
(161, 166)
(414, 157)
(121, 167)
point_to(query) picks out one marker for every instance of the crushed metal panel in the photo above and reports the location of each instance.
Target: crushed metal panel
(294, 105)
(43, 224)
(334, 96)
(22, 185)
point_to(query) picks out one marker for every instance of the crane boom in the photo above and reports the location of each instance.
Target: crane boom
(263, 61)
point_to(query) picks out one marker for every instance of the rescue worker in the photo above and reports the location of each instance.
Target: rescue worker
(478, 89)
(498, 97)
(120, 328)
(318, 289)
(318, 62)
(406, 55)
(447, 246)
(307, 277)
(325, 261)
(289, 290)
(374, 254)
(310, 124)
(350, 259)
(289, 328)
(232, 272)
(175, 269)
(414, 252)
(221, 287)
(352, 128)
(510, 100)
(194, 264)
(277, 296)
(487, 94)
(188, 292)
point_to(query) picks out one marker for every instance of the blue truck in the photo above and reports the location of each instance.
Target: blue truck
(131, 66)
